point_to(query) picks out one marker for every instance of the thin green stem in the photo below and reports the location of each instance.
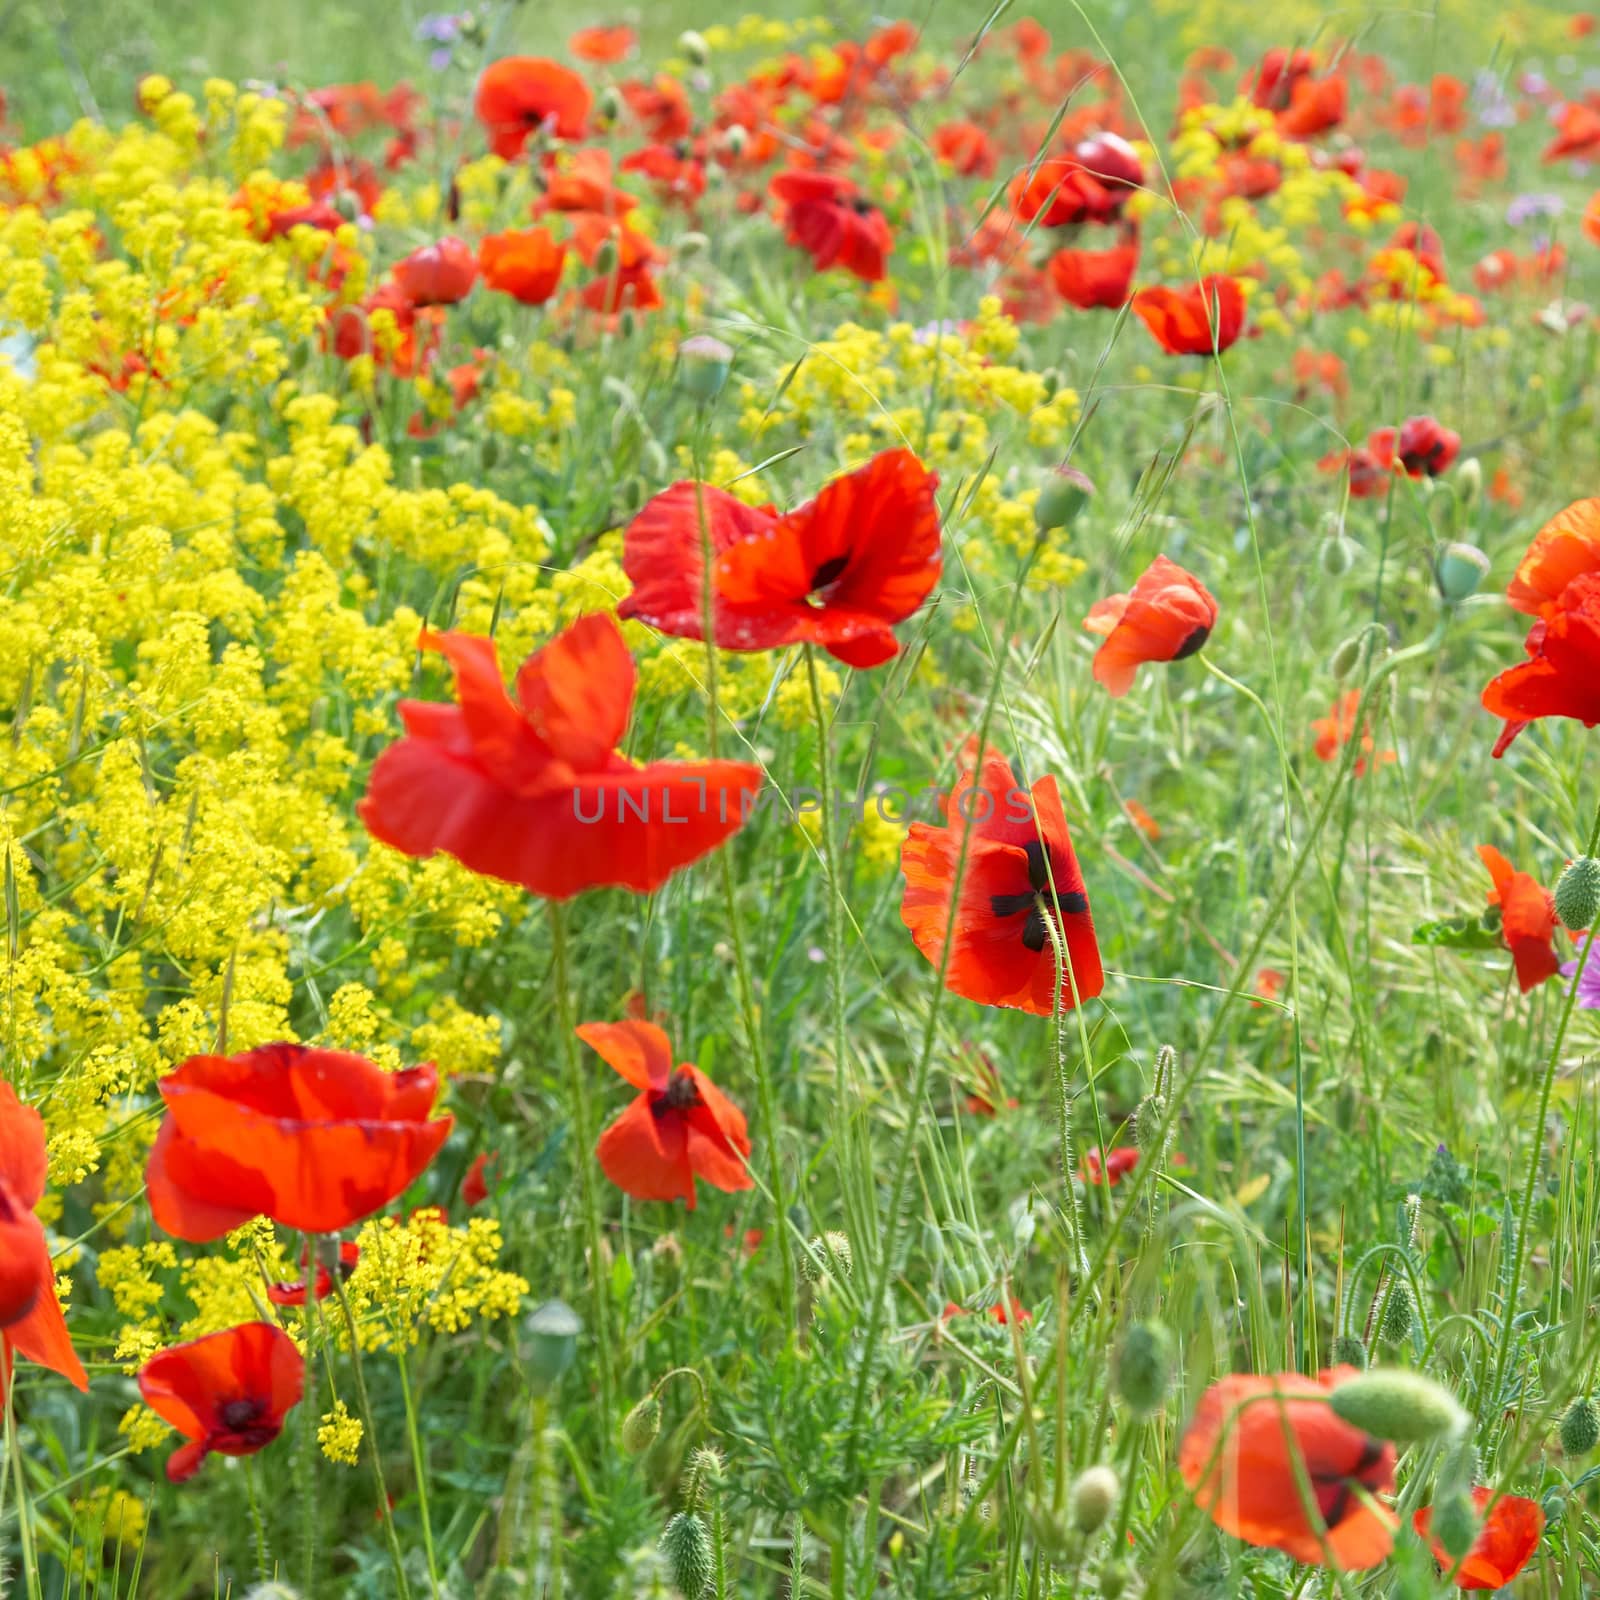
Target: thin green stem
(1058, 1033)
(263, 1566)
(30, 1557)
(306, 1465)
(419, 1465)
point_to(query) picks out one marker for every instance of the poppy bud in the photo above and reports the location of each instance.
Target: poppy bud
(1094, 1497)
(1580, 1427)
(1578, 893)
(735, 138)
(1050, 1532)
(489, 452)
(605, 258)
(1554, 1506)
(1469, 480)
(1398, 1404)
(1459, 570)
(1343, 660)
(705, 1468)
(829, 1253)
(703, 367)
(1338, 555)
(627, 323)
(686, 1548)
(1061, 497)
(1147, 1119)
(641, 1425)
(1114, 1577)
(1348, 1351)
(1142, 1367)
(608, 104)
(693, 48)
(1398, 1313)
(1454, 1523)
(692, 244)
(552, 1340)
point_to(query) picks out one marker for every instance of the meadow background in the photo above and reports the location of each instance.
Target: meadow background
(1357, 1104)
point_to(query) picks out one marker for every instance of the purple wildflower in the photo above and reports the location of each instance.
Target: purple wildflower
(1588, 984)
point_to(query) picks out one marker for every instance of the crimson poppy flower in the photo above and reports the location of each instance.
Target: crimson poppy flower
(1199, 319)
(1020, 867)
(1369, 476)
(838, 571)
(825, 215)
(292, 1291)
(524, 263)
(1272, 83)
(1577, 134)
(1316, 105)
(580, 180)
(1059, 193)
(681, 1126)
(475, 1186)
(438, 274)
(1141, 819)
(519, 95)
(678, 175)
(1168, 616)
(662, 107)
(227, 1393)
(533, 790)
(313, 1139)
(1527, 919)
(1338, 728)
(1561, 677)
(1565, 548)
(966, 147)
(1238, 1459)
(1504, 1546)
(1421, 448)
(31, 1323)
(603, 45)
(1004, 1312)
(1110, 1171)
(1095, 278)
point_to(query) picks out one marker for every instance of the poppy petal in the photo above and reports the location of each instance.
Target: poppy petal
(638, 1052)
(646, 1156)
(578, 691)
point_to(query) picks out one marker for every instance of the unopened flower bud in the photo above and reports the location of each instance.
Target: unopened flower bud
(608, 104)
(1554, 1506)
(1141, 1370)
(706, 1467)
(1399, 1313)
(1061, 497)
(1459, 570)
(735, 138)
(1454, 1523)
(1349, 1351)
(1396, 1403)
(1338, 555)
(627, 323)
(703, 367)
(692, 244)
(693, 48)
(1344, 660)
(1114, 1578)
(1469, 480)
(1580, 1427)
(641, 1425)
(828, 1253)
(1578, 893)
(605, 258)
(686, 1548)
(1093, 1497)
(1148, 1117)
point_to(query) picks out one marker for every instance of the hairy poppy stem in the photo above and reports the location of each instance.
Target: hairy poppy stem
(263, 1567)
(419, 1464)
(1525, 1212)
(307, 1465)
(30, 1559)
(586, 1186)
(765, 1095)
(369, 1423)
(1058, 1033)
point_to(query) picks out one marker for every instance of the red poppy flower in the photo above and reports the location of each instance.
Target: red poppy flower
(580, 180)
(1565, 548)
(1272, 83)
(313, 1139)
(292, 1291)
(681, 1126)
(1561, 677)
(1315, 106)
(1421, 448)
(1527, 919)
(827, 216)
(533, 790)
(438, 274)
(1108, 1173)
(603, 46)
(1577, 134)
(519, 95)
(1338, 728)
(1095, 278)
(1590, 222)
(475, 1186)
(524, 263)
(1199, 319)
(1504, 1546)
(227, 1393)
(1168, 617)
(662, 107)
(839, 571)
(966, 147)
(31, 1323)
(1020, 866)
(678, 175)
(1238, 1459)
(1141, 819)
(1059, 193)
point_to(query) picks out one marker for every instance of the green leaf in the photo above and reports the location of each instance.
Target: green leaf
(1457, 933)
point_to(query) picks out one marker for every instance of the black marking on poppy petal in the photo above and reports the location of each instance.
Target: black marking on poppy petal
(1195, 642)
(1366, 1473)
(1038, 866)
(1011, 905)
(1035, 931)
(1074, 904)
(237, 1415)
(829, 572)
(680, 1094)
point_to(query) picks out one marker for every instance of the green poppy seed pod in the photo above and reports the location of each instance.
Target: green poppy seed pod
(1344, 660)
(1399, 1313)
(551, 1331)
(605, 258)
(703, 367)
(1114, 1578)
(1580, 1427)
(641, 1425)
(1459, 571)
(628, 322)
(1063, 494)
(1338, 555)
(693, 48)
(1142, 1365)
(1578, 893)
(686, 1548)
(1093, 1497)
(1469, 480)
(608, 104)
(1398, 1404)
(1349, 1351)
(1454, 1523)
(1148, 1116)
